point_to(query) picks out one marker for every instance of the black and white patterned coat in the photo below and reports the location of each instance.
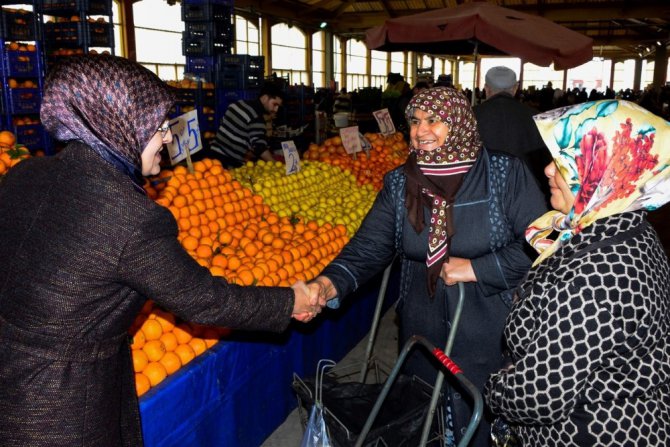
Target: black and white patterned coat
(590, 339)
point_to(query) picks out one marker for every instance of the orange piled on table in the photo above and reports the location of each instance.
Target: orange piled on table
(229, 230)
(162, 345)
(10, 153)
(387, 153)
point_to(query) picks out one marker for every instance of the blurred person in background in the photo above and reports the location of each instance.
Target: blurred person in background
(82, 248)
(242, 133)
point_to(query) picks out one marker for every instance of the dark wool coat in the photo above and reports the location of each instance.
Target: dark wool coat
(497, 200)
(590, 337)
(81, 249)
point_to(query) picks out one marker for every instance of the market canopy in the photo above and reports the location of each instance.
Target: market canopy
(485, 29)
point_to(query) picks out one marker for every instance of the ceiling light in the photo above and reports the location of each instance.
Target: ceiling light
(658, 42)
(323, 25)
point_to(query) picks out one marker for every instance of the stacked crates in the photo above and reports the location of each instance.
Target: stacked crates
(77, 27)
(22, 76)
(209, 33)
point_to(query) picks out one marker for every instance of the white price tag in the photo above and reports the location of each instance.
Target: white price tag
(384, 121)
(350, 139)
(291, 157)
(185, 136)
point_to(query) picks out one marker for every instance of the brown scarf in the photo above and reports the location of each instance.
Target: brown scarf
(434, 177)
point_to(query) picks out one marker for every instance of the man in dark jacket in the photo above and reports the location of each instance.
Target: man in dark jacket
(506, 125)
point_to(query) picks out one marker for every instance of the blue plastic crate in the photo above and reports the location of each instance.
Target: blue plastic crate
(226, 97)
(32, 136)
(207, 12)
(243, 60)
(78, 34)
(20, 64)
(204, 46)
(23, 100)
(89, 7)
(18, 24)
(238, 78)
(200, 64)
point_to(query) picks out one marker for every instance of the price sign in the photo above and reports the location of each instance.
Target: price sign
(350, 139)
(291, 157)
(186, 138)
(384, 121)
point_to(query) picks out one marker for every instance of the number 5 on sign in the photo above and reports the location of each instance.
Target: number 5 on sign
(291, 157)
(185, 136)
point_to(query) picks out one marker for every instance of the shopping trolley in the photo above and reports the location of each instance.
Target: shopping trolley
(391, 409)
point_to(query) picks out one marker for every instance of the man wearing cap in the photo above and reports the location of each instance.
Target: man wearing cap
(506, 125)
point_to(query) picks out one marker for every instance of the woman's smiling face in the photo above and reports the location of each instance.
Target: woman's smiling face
(426, 131)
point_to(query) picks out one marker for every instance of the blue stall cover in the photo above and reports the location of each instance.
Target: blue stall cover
(237, 393)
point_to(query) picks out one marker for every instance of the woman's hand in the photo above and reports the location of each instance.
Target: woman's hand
(457, 270)
(326, 289)
(306, 305)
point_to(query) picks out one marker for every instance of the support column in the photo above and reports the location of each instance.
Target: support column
(660, 66)
(521, 73)
(343, 63)
(266, 46)
(328, 64)
(612, 70)
(309, 54)
(128, 30)
(637, 77)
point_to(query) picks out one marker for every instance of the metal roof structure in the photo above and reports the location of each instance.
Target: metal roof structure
(621, 29)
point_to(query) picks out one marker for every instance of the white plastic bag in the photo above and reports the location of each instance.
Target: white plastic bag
(316, 434)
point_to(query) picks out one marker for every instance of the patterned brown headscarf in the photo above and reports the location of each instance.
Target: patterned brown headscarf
(434, 177)
(111, 104)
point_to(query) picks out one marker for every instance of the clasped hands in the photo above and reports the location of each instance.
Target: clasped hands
(311, 298)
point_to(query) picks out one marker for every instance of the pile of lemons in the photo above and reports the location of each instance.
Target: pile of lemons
(319, 192)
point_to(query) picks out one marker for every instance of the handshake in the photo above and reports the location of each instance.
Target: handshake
(310, 298)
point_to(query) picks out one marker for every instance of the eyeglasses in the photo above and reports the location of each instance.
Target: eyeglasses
(164, 130)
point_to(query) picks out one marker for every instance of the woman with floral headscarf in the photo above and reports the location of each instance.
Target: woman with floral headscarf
(589, 333)
(453, 213)
(81, 249)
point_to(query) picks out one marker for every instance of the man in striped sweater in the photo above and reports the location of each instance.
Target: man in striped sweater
(242, 133)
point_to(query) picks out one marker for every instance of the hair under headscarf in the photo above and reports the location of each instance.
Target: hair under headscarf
(434, 177)
(111, 104)
(614, 156)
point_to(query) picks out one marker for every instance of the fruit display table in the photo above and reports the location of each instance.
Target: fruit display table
(239, 392)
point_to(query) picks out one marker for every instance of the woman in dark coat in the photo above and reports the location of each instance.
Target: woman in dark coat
(454, 213)
(589, 332)
(81, 249)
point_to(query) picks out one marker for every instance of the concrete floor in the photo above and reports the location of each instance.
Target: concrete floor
(290, 433)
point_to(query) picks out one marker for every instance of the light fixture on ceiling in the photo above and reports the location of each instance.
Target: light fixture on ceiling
(322, 25)
(658, 42)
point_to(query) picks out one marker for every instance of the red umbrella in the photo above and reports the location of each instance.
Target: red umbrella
(486, 29)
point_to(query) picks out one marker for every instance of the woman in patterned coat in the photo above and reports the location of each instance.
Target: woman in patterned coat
(453, 213)
(81, 249)
(589, 333)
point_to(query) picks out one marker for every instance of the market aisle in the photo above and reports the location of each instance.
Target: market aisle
(289, 434)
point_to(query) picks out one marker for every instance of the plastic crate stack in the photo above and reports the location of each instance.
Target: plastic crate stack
(22, 75)
(209, 33)
(77, 27)
(298, 109)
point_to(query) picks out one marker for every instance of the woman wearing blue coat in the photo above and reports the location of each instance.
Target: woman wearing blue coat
(453, 213)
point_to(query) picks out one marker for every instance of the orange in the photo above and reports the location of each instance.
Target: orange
(152, 329)
(138, 340)
(170, 341)
(155, 372)
(183, 333)
(142, 384)
(190, 242)
(140, 360)
(185, 353)
(7, 139)
(166, 319)
(154, 349)
(171, 362)
(198, 344)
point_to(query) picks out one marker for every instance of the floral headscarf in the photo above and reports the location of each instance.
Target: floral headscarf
(434, 177)
(111, 104)
(614, 156)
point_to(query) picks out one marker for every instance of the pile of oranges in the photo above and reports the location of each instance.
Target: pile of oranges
(387, 152)
(162, 345)
(228, 229)
(10, 153)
